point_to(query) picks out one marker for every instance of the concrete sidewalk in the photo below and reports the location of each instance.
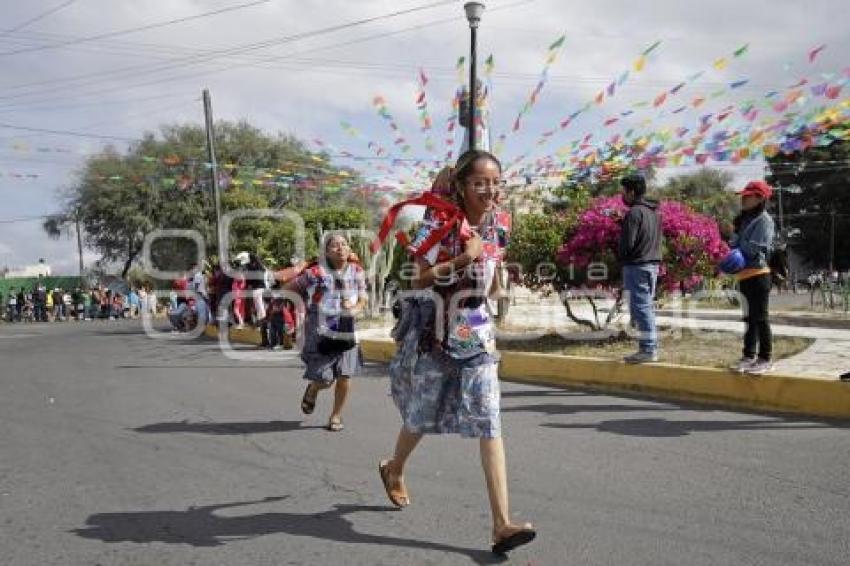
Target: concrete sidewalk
(827, 358)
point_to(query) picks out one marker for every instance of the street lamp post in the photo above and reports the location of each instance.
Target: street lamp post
(473, 10)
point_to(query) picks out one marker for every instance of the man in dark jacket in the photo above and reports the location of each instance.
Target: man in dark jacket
(640, 255)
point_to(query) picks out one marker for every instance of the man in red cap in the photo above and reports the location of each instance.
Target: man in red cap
(754, 236)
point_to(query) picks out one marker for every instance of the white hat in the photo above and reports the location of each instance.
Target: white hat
(242, 258)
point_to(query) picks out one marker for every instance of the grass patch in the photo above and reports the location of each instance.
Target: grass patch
(715, 349)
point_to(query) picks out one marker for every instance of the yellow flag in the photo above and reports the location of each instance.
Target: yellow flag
(720, 64)
(640, 63)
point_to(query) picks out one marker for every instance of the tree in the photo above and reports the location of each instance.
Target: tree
(532, 251)
(163, 181)
(118, 202)
(813, 181)
(707, 192)
(576, 250)
(691, 250)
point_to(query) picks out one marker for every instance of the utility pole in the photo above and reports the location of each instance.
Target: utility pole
(79, 244)
(780, 190)
(831, 241)
(219, 239)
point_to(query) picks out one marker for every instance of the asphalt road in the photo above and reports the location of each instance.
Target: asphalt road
(118, 449)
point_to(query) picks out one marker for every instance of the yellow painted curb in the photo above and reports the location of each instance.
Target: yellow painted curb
(783, 393)
(247, 335)
(812, 397)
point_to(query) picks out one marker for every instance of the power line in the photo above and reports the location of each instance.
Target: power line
(66, 133)
(266, 59)
(218, 53)
(97, 103)
(40, 16)
(134, 29)
(228, 67)
(170, 48)
(24, 219)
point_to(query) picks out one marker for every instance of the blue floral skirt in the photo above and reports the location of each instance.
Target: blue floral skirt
(436, 393)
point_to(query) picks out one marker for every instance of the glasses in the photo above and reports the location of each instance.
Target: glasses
(483, 186)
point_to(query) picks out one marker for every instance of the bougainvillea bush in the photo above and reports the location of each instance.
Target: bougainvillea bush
(692, 242)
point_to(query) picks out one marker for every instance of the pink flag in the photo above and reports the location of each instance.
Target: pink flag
(814, 52)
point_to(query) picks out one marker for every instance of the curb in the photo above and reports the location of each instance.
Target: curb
(772, 393)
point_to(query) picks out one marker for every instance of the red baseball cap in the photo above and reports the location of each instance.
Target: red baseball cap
(757, 189)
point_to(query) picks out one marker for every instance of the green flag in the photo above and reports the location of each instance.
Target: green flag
(558, 43)
(652, 47)
(741, 50)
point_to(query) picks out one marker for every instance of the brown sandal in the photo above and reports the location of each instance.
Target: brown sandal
(398, 493)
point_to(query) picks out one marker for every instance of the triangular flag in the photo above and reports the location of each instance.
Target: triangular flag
(559, 42)
(640, 63)
(677, 88)
(832, 92)
(741, 50)
(814, 52)
(720, 64)
(651, 48)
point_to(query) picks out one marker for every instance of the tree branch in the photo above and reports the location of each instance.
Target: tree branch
(615, 308)
(580, 321)
(595, 309)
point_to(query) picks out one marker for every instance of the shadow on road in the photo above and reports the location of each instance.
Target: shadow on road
(223, 428)
(543, 393)
(559, 409)
(663, 428)
(201, 527)
(263, 364)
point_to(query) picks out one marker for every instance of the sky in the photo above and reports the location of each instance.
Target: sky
(108, 71)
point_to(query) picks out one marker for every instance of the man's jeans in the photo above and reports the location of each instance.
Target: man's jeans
(639, 281)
